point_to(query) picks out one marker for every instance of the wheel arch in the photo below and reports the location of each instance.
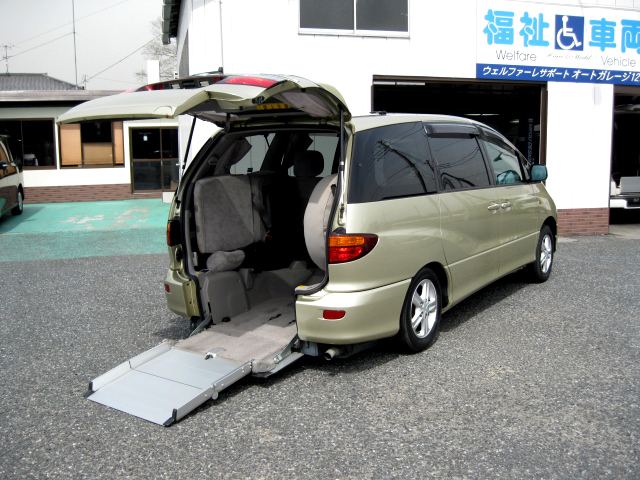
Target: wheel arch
(443, 278)
(552, 224)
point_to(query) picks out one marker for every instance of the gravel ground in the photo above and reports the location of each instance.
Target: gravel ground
(525, 381)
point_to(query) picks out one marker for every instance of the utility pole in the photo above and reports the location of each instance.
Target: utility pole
(6, 55)
(75, 58)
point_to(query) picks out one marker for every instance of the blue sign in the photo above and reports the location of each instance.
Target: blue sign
(569, 32)
(556, 74)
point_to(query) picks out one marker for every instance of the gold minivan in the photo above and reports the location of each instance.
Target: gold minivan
(360, 228)
(298, 229)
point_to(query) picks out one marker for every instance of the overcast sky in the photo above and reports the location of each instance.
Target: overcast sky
(40, 36)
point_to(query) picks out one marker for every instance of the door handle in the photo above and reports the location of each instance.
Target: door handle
(493, 208)
(507, 205)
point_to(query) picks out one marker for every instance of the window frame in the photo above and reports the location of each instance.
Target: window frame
(355, 32)
(75, 130)
(19, 156)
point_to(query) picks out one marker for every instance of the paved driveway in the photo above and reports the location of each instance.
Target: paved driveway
(525, 381)
(49, 231)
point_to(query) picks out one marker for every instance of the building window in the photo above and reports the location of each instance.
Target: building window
(154, 159)
(389, 18)
(92, 144)
(31, 142)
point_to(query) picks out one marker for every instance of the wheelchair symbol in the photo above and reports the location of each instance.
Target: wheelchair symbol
(565, 34)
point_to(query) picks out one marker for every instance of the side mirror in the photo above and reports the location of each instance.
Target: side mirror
(538, 173)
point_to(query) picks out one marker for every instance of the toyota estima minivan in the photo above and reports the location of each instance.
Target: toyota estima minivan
(298, 223)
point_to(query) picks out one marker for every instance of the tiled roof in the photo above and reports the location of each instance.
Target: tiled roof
(32, 81)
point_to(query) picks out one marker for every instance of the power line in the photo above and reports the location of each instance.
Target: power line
(41, 45)
(69, 23)
(122, 59)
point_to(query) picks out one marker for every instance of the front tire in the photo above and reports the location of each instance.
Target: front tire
(17, 210)
(420, 316)
(540, 269)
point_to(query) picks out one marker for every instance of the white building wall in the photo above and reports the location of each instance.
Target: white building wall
(579, 133)
(262, 37)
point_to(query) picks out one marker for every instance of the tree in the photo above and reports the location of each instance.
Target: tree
(167, 55)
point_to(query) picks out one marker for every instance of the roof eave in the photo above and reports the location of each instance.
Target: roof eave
(170, 19)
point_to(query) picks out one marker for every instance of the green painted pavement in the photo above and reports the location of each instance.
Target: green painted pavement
(49, 231)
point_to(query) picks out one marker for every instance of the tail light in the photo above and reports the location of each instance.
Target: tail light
(346, 248)
(174, 237)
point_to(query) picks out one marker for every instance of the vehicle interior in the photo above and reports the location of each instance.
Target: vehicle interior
(245, 208)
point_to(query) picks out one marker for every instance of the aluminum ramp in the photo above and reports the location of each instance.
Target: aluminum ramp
(164, 384)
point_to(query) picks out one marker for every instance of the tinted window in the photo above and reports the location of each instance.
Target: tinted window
(386, 15)
(333, 14)
(503, 160)
(391, 162)
(460, 161)
(378, 15)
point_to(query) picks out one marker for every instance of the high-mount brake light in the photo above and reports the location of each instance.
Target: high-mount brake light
(252, 81)
(346, 248)
(153, 86)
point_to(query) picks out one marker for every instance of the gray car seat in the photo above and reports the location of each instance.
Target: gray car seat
(226, 220)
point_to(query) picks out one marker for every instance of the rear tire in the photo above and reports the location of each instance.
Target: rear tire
(420, 316)
(17, 210)
(540, 269)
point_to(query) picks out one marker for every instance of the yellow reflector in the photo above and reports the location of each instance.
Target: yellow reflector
(273, 106)
(346, 241)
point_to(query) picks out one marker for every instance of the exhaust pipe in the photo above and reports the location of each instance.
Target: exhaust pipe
(333, 352)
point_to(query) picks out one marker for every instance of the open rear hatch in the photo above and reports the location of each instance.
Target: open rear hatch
(233, 98)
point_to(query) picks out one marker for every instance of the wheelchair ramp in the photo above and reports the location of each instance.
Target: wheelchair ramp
(164, 384)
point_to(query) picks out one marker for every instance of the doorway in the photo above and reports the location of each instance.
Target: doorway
(154, 159)
(625, 157)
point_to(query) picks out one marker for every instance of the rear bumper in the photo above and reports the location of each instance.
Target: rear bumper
(627, 203)
(180, 294)
(369, 314)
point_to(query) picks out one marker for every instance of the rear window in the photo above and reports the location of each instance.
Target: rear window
(460, 161)
(391, 162)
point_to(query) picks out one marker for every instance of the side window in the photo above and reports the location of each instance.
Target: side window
(252, 154)
(503, 160)
(459, 160)
(324, 143)
(391, 162)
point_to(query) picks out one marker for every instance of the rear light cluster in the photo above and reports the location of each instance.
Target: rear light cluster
(346, 248)
(174, 237)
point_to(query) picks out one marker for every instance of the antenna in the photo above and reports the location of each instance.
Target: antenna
(75, 58)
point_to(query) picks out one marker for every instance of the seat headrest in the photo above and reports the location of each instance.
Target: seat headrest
(308, 164)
